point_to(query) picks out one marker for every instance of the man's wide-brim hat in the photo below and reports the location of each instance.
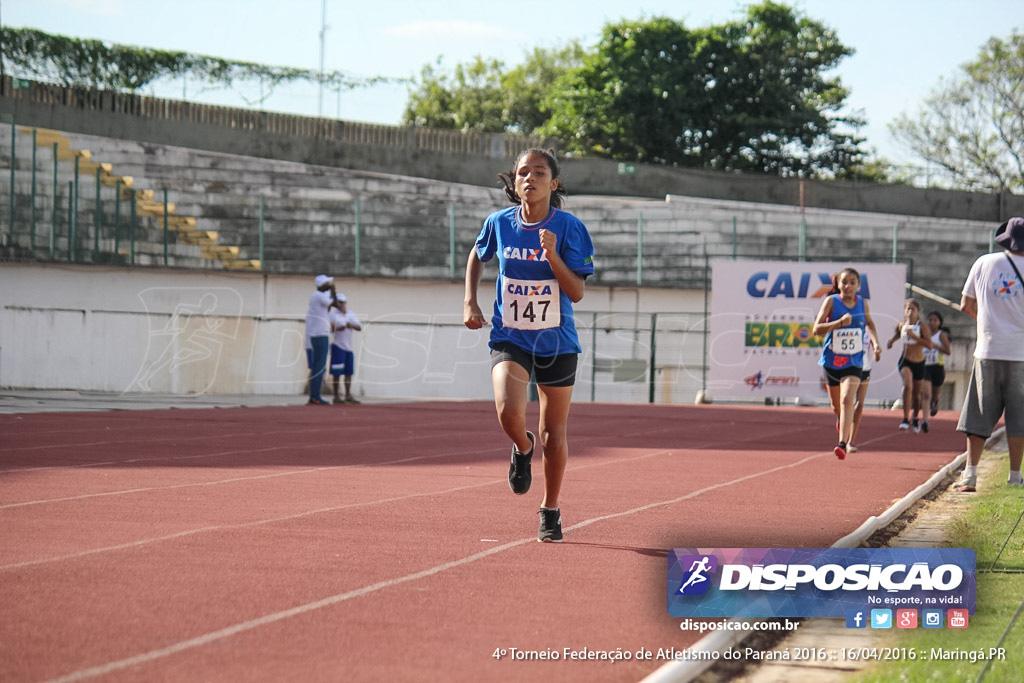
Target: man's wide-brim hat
(1010, 234)
(322, 280)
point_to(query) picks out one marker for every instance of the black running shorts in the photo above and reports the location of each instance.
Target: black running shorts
(833, 375)
(548, 371)
(916, 368)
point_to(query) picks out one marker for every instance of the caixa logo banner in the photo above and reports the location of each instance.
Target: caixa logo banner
(817, 582)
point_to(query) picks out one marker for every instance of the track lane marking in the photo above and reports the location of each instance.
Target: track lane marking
(274, 617)
(256, 477)
(307, 513)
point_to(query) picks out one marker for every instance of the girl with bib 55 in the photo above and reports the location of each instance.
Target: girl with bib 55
(845, 320)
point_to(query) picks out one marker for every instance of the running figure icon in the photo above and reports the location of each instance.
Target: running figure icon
(697, 571)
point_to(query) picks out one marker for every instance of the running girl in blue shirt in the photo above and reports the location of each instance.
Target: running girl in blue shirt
(544, 257)
(845, 320)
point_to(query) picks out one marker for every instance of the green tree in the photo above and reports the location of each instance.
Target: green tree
(873, 170)
(631, 96)
(973, 125)
(468, 101)
(750, 95)
(527, 85)
(483, 96)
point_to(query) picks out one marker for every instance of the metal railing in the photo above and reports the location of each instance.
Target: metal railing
(271, 123)
(57, 211)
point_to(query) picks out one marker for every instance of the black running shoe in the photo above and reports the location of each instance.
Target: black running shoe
(519, 475)
(550, 530)
(924, 426)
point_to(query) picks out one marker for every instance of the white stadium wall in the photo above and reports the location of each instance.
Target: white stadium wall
(132, 330)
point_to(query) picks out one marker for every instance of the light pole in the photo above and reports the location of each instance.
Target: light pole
(323, 34)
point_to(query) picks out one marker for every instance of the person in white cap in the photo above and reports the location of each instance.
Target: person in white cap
(994, 296)
(343, 360)
(318, 336)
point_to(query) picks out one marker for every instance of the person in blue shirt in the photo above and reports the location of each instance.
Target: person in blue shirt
(845, 320)
(544, 258)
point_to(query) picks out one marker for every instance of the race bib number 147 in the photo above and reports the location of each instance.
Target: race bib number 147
(530, 304)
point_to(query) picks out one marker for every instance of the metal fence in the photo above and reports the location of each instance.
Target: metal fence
(60, 204)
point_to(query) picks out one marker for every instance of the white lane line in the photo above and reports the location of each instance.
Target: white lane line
(307, 513)
(88, 444)
(231, 480)
(698, 492)
(298, 515)
(229, 631)
(316, 469)
(268, 619)
(149, 443)
(225, 527)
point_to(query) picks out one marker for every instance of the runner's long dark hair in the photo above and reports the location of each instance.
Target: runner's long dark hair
(942, 327)
(509, 179)
(839, 276)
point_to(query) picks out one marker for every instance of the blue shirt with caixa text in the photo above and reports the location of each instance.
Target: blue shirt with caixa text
(844, 346)
(530, 310)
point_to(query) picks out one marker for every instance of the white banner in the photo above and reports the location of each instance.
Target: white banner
(762, 313)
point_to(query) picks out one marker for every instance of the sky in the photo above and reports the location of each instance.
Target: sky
(903, 48)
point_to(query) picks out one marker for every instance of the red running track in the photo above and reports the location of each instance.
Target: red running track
(381, 542)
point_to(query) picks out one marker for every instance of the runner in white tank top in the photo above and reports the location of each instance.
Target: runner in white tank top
(916, 338)
(934, 367)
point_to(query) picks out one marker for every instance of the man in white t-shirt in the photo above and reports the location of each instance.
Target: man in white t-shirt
(318, 336)
(994, 296)
(343, 360)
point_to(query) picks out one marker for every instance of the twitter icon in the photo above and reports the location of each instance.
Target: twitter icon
(881, 618)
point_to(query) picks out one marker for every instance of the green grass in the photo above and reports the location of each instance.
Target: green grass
(993, 512)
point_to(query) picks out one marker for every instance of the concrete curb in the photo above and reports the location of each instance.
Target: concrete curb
(687, 671)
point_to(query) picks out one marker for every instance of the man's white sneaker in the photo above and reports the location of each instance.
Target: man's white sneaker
(967, 485)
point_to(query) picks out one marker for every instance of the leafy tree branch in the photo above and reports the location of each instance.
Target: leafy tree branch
(973, 125)
(85, 63)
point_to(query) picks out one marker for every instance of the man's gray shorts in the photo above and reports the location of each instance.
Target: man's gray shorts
(996, 386)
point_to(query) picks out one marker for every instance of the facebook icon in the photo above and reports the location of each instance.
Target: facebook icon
(855, 618)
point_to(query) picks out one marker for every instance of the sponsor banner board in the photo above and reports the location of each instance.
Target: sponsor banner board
(762, 313)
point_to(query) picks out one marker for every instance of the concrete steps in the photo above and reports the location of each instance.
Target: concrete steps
(49, 138)
(146, 204)
(316, 218)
